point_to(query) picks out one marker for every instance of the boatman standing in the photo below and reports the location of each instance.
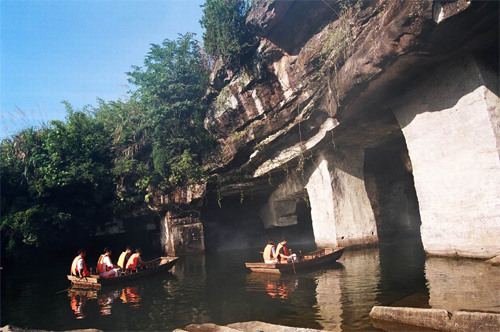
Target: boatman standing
(78, 267)
(105, 266)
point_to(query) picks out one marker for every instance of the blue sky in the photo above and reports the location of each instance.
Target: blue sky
(78, 50)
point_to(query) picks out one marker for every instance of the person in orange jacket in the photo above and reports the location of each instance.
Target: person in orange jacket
(105, 266)
(135, 260)
(78, 267)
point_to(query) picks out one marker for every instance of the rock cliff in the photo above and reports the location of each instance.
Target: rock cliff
(382, 116)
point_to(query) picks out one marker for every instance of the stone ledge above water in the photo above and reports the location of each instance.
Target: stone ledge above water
(439, 319)
(251, 326)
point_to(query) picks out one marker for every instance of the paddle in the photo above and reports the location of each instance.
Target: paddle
(65, 290)
(293, 264)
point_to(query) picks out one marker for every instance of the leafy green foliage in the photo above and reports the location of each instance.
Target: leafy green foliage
(62, 182)
(226, 33)
(55, 182)
(170, 88)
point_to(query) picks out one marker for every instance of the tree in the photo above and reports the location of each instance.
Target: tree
(170, 88)
(226, 33)
(62, 182)
(56, 184)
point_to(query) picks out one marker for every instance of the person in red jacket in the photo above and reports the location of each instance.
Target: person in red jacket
(135, 260)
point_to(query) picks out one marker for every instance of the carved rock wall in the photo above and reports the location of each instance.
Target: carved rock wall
(453, 146)
(340, 208)
(323, 85)
(181, 230)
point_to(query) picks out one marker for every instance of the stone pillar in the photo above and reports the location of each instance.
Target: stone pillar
(181, 235)
(450, 123)
(181, 227)
(340, 208)
(320, 194)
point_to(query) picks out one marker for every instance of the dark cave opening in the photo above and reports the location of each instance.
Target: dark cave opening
(237, 224)
(390, 187)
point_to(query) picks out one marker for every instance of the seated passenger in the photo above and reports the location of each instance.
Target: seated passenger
(124, 257)
(135, 260)
(270, 253)
(78, 267)
(105, 266)
(284, 254)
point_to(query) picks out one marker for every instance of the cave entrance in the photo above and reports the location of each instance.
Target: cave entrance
(238, 224)
(391, 190)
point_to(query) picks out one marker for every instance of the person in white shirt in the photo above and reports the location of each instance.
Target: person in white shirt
(105, 266)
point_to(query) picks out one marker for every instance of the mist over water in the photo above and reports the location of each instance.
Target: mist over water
(216, 287)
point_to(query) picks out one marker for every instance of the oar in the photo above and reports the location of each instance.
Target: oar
(65, 290)
(293, 265)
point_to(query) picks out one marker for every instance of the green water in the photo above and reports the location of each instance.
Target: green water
(217, 288)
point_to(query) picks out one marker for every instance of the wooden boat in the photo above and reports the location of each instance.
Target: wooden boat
(94, 281)
(309, 260)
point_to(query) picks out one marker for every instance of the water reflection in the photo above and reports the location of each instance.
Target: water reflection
(131, 295)
(78, 301)
(105, 301)
(328, 297)
(462, 284)
(217, 288)
(275, 285)
(359, 286)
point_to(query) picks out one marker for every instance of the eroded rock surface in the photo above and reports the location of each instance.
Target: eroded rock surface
(331, 89)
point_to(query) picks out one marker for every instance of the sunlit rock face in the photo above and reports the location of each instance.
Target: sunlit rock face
(340, 208)
(449, 121)
(330, 94)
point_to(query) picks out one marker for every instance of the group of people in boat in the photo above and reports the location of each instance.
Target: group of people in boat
(278, 254)
(127, 261)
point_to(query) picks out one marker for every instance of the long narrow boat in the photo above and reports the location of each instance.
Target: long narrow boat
(309, 260)
(94, 281)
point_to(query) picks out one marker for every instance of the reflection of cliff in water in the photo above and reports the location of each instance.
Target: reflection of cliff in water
(369, 277)
(463, 284)
(359, 284)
